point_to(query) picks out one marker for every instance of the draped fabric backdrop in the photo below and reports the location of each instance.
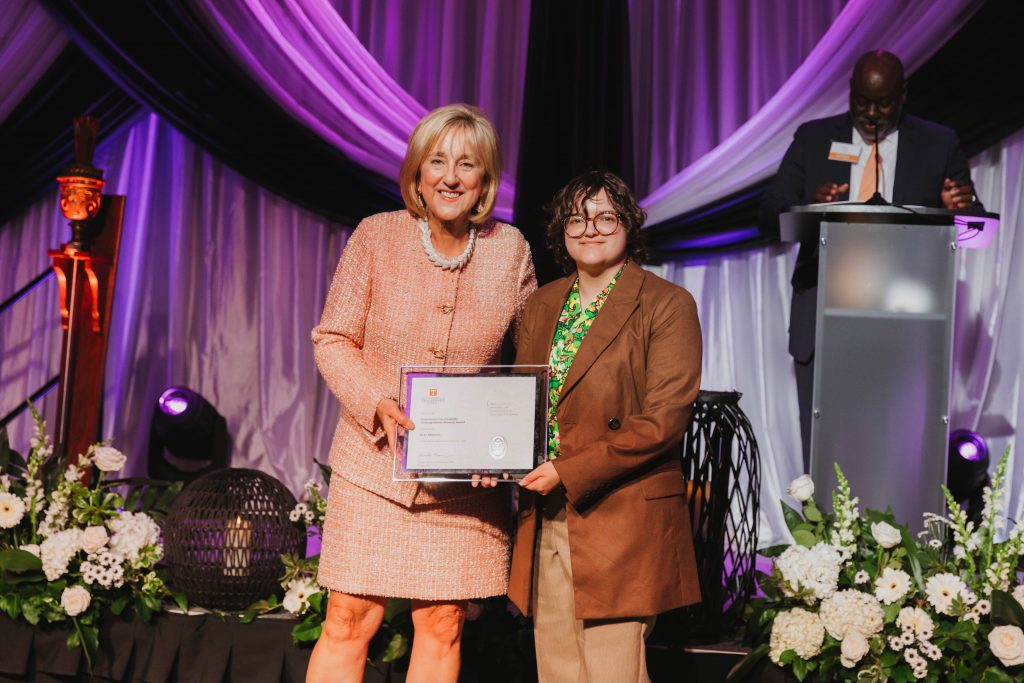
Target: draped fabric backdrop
(912, 29)
(701, 68)
(743, 301)
(451, 51)
(221, 281)
(219, 285)
(305, 55)
(29, 42)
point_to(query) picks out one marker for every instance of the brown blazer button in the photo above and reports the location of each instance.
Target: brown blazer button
(614, 423)
(446, 308)
(438, 353)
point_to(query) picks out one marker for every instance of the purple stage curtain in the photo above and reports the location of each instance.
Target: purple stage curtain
(743, 301)
(701, 68)
(912, 29)
(451, 51)
(219, 285)
(30, 332)
(305, 56)
(29, 42)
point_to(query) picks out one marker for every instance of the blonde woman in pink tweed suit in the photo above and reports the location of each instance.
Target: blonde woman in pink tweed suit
(439, 283)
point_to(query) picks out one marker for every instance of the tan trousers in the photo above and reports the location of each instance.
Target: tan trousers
(571, 650)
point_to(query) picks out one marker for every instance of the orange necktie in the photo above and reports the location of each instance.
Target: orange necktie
(868, 181)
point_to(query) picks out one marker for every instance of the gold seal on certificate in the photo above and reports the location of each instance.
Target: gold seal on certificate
(486, 420)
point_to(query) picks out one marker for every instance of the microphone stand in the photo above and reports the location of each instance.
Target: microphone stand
(876, 199)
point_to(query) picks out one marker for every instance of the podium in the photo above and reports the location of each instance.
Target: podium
(883, 347)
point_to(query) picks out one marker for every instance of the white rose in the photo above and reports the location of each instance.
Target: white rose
(887, 535)
(75, 600)
(1007, 643)
(854, 647)
(108, 459)
(801, 488)
(94, 538)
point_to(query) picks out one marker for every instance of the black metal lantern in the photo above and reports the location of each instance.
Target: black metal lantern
(722, 464)
(225, 535)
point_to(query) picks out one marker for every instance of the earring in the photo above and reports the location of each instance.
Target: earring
(419, 195)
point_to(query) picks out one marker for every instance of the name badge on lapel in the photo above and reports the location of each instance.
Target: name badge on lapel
(844, 151)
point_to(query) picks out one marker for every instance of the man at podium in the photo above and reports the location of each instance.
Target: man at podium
(874, 153)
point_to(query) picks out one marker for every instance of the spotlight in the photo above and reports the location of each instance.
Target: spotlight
(187, 436)
(967, 470)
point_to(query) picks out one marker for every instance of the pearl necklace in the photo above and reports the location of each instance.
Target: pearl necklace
(440, 261)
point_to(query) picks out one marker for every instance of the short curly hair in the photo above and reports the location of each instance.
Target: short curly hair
(570, 198)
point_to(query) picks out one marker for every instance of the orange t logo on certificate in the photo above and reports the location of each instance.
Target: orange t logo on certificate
(486, 420)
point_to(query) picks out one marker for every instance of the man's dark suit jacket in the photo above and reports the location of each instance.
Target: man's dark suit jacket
(927, 153)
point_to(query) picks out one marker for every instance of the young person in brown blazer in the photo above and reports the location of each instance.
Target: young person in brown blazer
(604, 540)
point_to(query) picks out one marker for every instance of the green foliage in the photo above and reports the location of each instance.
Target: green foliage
(56, 501)
(952, 548)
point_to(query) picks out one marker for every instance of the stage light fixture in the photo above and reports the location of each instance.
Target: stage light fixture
(967, 470)
(187, 436)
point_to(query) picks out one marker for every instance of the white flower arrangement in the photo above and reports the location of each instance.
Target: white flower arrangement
(76, 549)
(859, 599)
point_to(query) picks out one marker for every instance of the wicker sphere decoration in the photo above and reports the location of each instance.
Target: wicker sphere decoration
(722, 464)
(225, 535)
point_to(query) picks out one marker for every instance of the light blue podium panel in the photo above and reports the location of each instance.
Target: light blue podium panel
(883, 351)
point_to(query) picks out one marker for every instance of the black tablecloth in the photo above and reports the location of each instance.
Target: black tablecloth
(204, 648)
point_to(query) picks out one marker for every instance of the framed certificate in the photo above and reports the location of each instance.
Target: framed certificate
(481, 419)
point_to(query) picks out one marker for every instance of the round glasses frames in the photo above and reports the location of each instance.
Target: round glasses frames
(606, 223)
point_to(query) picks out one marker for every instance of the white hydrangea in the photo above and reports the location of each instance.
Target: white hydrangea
(892, 585)
(851, 611)
(942, 589)
(132, 532)
(916, 622)
(815, 569)
(57, 550)
(797, 630)
(12, 509)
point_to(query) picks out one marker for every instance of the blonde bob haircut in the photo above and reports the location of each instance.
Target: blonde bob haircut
(480, 139)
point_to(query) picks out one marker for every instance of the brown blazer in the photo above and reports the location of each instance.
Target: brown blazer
(622, 413)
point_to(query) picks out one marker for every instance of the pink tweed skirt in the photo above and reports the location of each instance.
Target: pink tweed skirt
(451, 550)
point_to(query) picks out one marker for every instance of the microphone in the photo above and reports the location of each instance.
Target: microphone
(876, 199)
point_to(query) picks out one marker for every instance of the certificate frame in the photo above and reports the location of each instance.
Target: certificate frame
(454, 406)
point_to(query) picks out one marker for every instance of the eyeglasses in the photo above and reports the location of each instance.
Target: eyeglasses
(606, 223)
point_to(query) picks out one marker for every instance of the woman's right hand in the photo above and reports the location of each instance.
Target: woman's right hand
(390, 415)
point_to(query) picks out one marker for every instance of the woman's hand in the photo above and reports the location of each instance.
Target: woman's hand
(391, 415)
(486, 482)
(542, 480)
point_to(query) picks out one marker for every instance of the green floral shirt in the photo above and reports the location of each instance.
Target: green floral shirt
(573, 325)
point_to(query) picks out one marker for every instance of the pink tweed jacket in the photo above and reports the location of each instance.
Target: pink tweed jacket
(389, 306)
